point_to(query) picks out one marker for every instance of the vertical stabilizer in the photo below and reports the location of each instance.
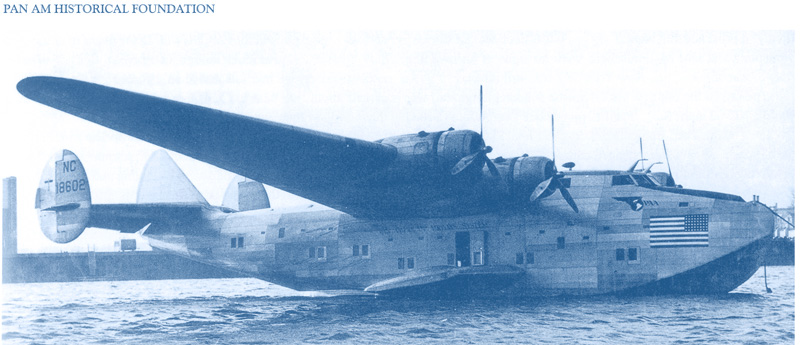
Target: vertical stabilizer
(244, 194)
(163, 182)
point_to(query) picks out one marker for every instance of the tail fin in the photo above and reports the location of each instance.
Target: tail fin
(244, 194)
(63, 198)
(163, 182)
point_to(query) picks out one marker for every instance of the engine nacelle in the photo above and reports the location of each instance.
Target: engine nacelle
(437, 152)
(526, 173)
(63, 198)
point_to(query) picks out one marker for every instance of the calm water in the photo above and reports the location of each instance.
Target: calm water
(248, 311)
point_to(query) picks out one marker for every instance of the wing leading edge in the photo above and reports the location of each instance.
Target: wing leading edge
(319, 166)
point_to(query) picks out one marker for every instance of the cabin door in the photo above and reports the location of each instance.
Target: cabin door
(462, 249)
(478, 247)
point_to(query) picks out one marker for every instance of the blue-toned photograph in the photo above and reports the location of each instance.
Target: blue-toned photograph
(188, 185)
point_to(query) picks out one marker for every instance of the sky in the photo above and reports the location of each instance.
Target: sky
(721, 97)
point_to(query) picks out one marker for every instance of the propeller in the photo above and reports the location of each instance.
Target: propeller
(477, 158)
(550, 185)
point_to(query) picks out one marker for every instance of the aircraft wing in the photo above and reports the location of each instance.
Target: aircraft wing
(318, 166)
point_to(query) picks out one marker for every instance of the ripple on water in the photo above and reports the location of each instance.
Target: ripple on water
(241, 311)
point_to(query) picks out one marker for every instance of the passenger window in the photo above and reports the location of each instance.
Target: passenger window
(561, 243)
(529, 257)
(312, 252)
(281, 232)
(410, 263)
(355, 250)
(401, 263)
(365, 250)
(233, 242)
(519, 259)
(633, 254)
(321, 253)
(620, 254)
(241, 242)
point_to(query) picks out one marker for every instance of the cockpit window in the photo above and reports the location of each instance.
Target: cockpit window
(643, 180)
(655, 180)
(621, 180)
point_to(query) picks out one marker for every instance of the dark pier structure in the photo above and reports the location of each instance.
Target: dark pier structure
(780, 252)
(90, 266)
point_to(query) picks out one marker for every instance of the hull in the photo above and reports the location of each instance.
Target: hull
(719, 276)
(674, 242)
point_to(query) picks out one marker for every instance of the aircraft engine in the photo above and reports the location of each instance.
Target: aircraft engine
(63, 199)
(438, 153)
(533, 178)
(527, 173)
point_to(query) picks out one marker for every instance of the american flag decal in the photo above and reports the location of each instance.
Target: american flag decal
(679, 231)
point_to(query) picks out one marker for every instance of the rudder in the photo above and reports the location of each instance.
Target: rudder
(63, 198)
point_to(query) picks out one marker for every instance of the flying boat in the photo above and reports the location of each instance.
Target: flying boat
(420, 214)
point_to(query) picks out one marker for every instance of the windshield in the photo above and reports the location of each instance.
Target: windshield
(641, 180)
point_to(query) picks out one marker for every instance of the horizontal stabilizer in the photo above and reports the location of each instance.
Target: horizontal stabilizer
(158, 218)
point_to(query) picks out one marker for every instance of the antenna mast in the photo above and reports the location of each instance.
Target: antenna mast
(553, 136)
(481, 111)
(667, 157)
(641, 151)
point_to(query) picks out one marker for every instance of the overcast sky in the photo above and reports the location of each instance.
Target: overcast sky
(722, 100)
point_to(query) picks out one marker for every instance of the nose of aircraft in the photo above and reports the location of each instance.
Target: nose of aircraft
(765, 219)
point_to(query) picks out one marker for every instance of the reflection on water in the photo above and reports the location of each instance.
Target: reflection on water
(249, 311)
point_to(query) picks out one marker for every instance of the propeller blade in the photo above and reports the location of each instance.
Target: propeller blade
(551, 184)
(568, 197)
(492, 167)
(475, 158)
(464, 163)
(540, 189)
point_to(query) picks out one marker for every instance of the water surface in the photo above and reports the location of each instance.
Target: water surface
(249, 311)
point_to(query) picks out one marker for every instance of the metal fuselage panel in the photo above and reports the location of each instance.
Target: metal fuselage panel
(615, 243)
